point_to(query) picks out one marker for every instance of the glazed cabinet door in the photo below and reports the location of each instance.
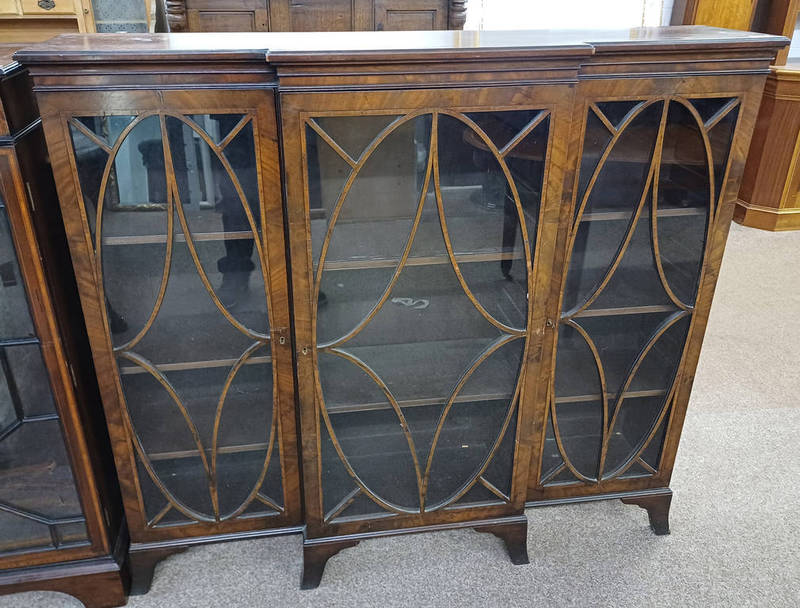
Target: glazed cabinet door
(657, 177)
(173, 212)
(48, 505)
(415, 242)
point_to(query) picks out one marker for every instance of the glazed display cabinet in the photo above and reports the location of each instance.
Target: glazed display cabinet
(60, 529)
(332, 286)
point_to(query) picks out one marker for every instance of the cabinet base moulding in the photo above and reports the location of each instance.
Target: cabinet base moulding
(512, 530)
(766, 218)
(96, 583)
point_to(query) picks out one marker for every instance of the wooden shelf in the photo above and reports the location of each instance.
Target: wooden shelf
(333, 410)
(461, 258)
(368, 407)
(151, 239)
(379, 243)
(603, 216)
(576, 378)
(626, 310)
(418, 374)
(234, 449)
(126, 370)
(447, 312)
(479, 255)
(627, 394)
(148, 226)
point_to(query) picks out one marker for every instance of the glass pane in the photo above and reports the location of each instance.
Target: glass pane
(652, 453)
(71, 533)
(552, 461)
(423, 295)
(186, 303)
(595, 142)
(91, 158)
(15, 320)
(721, 138)
(616, 111)
(472, 427)
(217, 126)
(35, 454)
(579, 426)
(19, 533)
(36, 480)
(30, 377)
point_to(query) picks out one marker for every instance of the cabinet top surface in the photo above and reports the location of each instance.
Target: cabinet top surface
(335, 47)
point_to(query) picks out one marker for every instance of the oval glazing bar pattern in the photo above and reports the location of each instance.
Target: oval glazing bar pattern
(650, 183)
(423, 230)
(172, 203)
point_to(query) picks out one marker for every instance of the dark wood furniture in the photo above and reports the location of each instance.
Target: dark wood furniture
(313, 15)
(500, 248)
(60, 528)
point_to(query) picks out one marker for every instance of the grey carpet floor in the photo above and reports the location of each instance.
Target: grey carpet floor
(735, 517)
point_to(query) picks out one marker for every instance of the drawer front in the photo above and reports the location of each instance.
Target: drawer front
(48, 7)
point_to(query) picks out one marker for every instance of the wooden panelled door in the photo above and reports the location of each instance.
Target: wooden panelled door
(414, 233)
(177, 211)
(411, 15)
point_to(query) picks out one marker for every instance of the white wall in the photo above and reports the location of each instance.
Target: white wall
(565, 14)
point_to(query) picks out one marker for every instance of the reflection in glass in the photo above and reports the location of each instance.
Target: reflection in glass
(422, 303)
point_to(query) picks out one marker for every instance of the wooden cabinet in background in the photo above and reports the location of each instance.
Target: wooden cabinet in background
(498, 293)
(770, 194)
(35, 20)
(313, 15)
(61, 526)
(733, 14)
